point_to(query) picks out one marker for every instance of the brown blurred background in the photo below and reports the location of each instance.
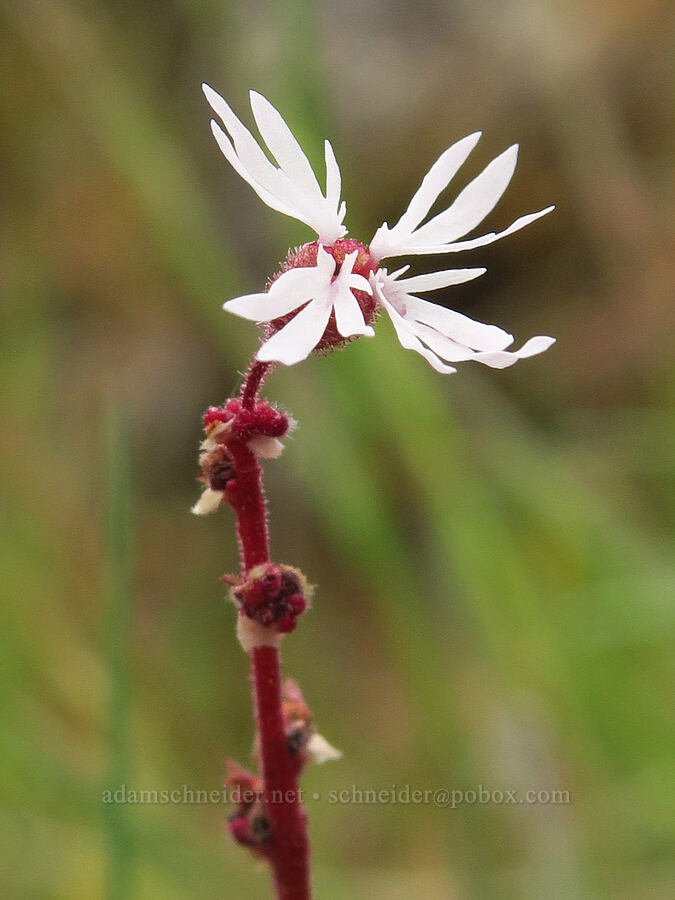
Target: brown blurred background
(493, 550)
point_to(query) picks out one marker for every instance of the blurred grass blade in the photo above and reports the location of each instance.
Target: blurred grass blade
(118, 538)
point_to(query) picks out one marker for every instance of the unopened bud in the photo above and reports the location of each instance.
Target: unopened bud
(273, 596)
(303, 741)
(247, 822)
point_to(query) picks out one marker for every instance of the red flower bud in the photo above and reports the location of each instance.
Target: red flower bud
(297, 603)
(273, 595)
(214, 414)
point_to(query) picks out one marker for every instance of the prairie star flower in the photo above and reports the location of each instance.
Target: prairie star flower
(330, 290)
(325, 294)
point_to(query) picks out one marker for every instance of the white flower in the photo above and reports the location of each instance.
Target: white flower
(318, 291)
(326, 293)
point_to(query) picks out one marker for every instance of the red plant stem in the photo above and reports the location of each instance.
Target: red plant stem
(249, 503)
(257, 373)
(288, 846)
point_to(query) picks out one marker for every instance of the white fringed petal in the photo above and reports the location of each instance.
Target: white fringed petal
(406, 334)
(441, 233)
(266, 447)
(462, 329)
(296, 340)
(442, 335)
(209, 501)
(348, 315)
(291, 187)
(482, 241)
(387, 240)
(477, 199)
(319, 291)
(320, 750)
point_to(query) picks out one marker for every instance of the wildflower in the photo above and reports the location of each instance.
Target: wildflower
(330, 290)
(325, 293)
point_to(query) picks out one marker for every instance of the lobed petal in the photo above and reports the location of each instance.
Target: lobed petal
(433, 281)
(407, 337)
(482, 241)
(291, 189)
(447, 322)
(296, 340)
(389, 242)
(503, 359)
(283, 144)
(451, 351)
(230, 154)
(477, 199)
(333, 179)
(291, 290)
(442, 335)
(248, 151)
(348, 315)
(461, 328)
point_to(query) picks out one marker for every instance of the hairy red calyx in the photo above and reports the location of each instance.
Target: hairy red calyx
(273, 595)
(304, 257)
(261, 420)
(232, 422)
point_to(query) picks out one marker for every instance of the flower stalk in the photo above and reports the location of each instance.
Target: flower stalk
(270, 597)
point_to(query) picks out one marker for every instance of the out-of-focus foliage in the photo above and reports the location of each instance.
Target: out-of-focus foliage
(493, 550)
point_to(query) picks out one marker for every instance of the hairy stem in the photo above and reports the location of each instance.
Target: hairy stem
(288, 846)
(256, 375)
(289, 849)
(250, 506)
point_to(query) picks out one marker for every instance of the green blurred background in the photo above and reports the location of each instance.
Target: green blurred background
(492, 549)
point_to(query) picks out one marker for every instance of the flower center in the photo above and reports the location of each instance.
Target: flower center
(305, 257)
